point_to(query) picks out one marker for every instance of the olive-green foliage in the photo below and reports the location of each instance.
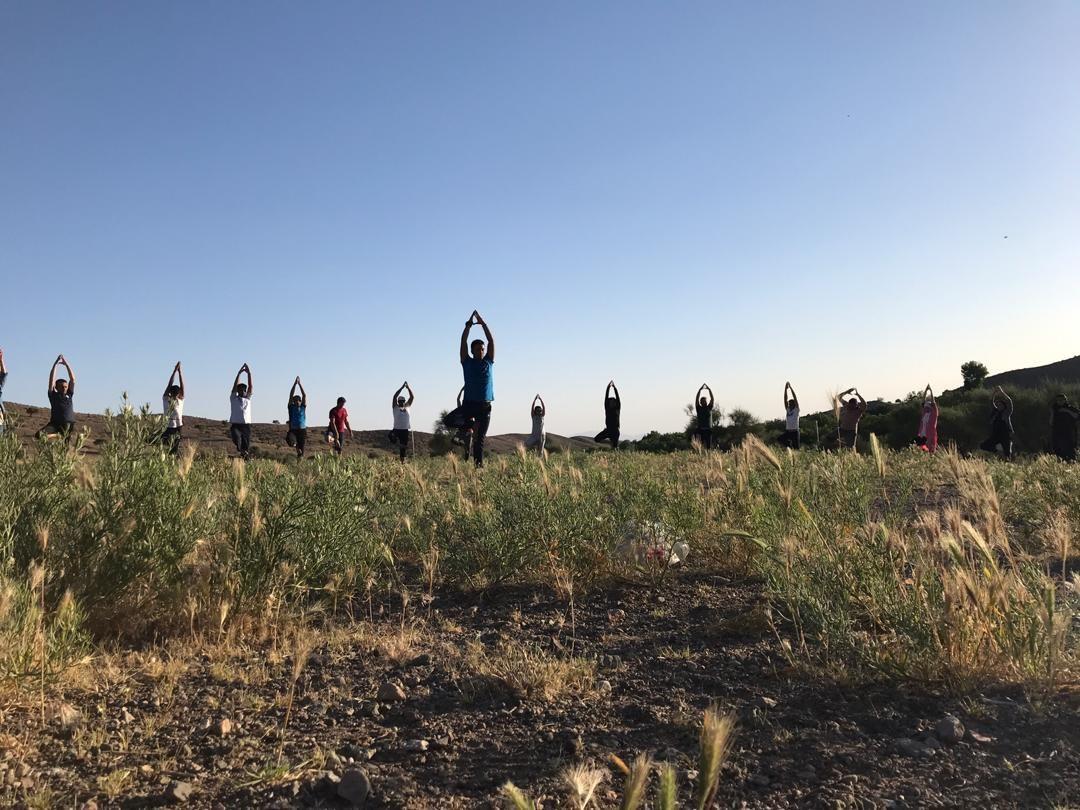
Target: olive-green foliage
(877, 563)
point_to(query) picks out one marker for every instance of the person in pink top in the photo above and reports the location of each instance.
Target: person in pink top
(927, 436)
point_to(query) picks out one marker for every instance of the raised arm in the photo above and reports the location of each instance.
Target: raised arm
(393, 398)
(236, 382)
(710, 395)
(52, 372)
(250, 380)
(180, 378)
(465, 339)
(615, 391)
(930, 392)
(488, 335)
(168, 385)
(71, 376)
(412, 396)
(1006, 397)
(3, 368)
(460, 396)
(862, 401)
(794, 396)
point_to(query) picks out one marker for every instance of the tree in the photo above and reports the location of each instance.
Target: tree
(973, 373)
(440, 443)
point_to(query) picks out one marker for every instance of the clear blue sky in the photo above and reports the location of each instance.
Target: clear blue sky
(663, 193)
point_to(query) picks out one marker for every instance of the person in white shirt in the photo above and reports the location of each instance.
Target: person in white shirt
(172, 405)
(240, 412)
(538, 437)
(402, 423)
(791, 437)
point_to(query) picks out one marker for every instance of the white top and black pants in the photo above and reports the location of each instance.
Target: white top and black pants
(792, 437)
(240, 424)
(173, 408)
(400, 434)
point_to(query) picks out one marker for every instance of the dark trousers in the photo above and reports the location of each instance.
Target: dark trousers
(791, 438)
(400, 437)
(999, 438)
(705, 437)
(171, 438)
(64, 430)
(241, 438)
(479, 415)
(609, 434)
(297, 437)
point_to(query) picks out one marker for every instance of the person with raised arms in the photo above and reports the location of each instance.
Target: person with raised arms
(537, 438)
(477, 361)
(3, 379)
(1063, 424)
(296, 435)
(61, 404)
(792, 435)
(926, 439)
(704, 406)
(402, 422)
(612, 415)
(1001, 426)
(240, 412)
(172, 405)
(339, 425)
(850, 412)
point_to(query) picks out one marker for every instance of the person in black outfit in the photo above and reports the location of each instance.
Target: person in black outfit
(61, 392)
(1063, 423)
(612, 410)
(704, 416)
(1001, 427)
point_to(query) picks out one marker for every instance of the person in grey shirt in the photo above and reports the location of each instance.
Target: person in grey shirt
(538, 437)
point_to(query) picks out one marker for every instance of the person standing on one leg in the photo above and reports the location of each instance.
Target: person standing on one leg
(62, 407)
(464, 434)
(1063, 424)
(3, 379)
(402, 422)
(704, 416)
(850, 414)
(339, 424)
(537, 438)
(172, 405)
(927, 436)
(297, 407)
(240, 412)
(1001, 426)
(612, 414)
(477, 362)
(792, 436)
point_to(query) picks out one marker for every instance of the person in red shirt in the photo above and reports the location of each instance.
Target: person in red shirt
(339, 424)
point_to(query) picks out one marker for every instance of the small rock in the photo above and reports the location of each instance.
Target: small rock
(68, 717)
(126, 716)
(416, 746)
(327, 783)
(334, 761)
(223, 727)
(912, 748)
(22, 769)
(391, 692)
(949, 729)
(177, 792)
(763, 702)
(354, 787)
(760, 779)
(89, 805)
(146, 769)
(604, 687)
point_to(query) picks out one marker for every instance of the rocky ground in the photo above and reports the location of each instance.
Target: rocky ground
(438, 702)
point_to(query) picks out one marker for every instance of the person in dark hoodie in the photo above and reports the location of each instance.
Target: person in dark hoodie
(612, 413)
(1001, 426)
(1063, 424)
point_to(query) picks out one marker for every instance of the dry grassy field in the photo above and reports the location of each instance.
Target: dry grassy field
(885, 630)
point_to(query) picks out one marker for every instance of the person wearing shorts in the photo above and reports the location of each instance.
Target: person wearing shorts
(850, 413)
(296, 435)
(537, 438)
(477, 367)
(172, 405)
(792, 435)
(402, 430)
(240, 412)
(61, 404)
(612, 416)
(339, 424)
(704, 408)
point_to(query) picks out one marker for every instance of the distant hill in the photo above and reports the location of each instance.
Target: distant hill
(268, 439)
(1066, 372)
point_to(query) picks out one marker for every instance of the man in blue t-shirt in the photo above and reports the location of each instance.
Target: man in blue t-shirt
(476, 366)
(296, 436)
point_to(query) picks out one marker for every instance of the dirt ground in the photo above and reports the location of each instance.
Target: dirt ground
(484, 699)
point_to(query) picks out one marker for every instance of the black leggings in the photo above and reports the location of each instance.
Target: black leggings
(609, 434)
(241, 438)
(1003, 439)
(705, 437)
(171, 438)
(791, 438)
(400, 437)
(479, 414)
(297, 437)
